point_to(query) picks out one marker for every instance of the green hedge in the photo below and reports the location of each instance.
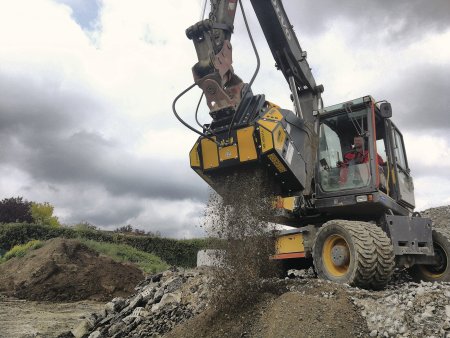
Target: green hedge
(174, 252)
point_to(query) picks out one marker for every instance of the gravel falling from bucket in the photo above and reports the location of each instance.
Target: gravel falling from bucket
(242, 238)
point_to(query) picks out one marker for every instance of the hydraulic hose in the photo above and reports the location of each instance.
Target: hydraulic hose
(196, 110)
(182, 121)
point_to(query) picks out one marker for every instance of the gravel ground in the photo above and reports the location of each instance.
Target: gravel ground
(177, 304)
(406, 309)
(26, 319)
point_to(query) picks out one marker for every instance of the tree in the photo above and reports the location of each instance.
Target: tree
(42, 213)
(15, 209)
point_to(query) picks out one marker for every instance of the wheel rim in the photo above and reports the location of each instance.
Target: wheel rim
(436, 270)
(336, 256)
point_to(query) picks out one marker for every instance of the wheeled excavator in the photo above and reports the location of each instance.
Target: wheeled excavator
(339, 174)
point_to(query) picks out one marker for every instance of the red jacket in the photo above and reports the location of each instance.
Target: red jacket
(353, 158)
(359, 158)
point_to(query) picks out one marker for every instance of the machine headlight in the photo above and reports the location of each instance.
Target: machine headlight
(361, 198)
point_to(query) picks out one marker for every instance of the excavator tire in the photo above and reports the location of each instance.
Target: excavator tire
(438, 272)
(344, 252)
(385, 263)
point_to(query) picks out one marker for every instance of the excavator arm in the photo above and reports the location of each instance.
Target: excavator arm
(247, 131)
(213, 72)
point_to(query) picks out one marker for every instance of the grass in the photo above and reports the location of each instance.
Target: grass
(21, 250)
(123, 253)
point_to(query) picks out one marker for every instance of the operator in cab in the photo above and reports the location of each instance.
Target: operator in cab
(358, 155)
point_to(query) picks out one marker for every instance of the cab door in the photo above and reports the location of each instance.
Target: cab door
(401, 174)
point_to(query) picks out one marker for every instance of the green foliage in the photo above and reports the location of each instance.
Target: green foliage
(84, 226)
(128, 229)
(174, 252)
(42, 213)
(21, 250)
(148, 262)
(15, 209)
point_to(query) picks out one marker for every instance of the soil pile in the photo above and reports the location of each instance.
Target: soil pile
(66, 270)
(296, 308)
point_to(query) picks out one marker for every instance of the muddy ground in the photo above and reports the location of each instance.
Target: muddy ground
(20, 318)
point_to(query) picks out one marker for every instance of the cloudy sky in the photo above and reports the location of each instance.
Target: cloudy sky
(86, 88)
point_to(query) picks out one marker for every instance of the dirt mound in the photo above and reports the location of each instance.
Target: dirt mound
(311, 316)
(67, 270)
(294, 308)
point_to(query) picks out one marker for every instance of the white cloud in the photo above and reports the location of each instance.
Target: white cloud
(166, 143)
(429, 151)
(431, 192)
(180, 219)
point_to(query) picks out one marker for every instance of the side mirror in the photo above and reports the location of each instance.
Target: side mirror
(385, 110)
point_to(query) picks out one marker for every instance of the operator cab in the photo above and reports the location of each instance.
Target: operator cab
(362, 160)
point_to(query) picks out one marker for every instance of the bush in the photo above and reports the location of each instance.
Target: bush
(148, 262)
(174, 252)
(42, 213)
(21, 250)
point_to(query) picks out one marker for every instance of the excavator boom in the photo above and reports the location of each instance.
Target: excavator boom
(289, 56)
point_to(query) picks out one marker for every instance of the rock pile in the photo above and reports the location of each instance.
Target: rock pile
(440, 216)
(406, 310)
(161, 301)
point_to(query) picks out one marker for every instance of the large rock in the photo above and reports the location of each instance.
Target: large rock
(82, 329)
(168, 298)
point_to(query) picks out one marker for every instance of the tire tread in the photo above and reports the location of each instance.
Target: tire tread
(366, 256)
